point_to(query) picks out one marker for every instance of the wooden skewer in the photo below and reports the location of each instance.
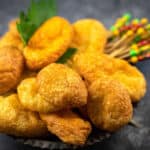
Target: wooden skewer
(118, 51)
(125, 51)
(110, 46)
(135, 123)
(118, 44)
(124, 56)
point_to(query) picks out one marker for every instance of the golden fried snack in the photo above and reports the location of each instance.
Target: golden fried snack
(109, 106)
(11, 67)
(12, 37)
(90, 34)
(48, 43)
(68, 127)
(56, 87)
(28, 74)
(12, 26)
(94, 65)
(15, 120)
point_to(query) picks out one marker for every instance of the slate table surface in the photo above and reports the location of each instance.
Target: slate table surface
(128, 138)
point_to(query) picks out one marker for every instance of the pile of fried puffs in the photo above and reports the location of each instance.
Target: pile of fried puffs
(40, 96)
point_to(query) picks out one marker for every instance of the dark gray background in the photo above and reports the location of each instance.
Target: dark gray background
(128, 138)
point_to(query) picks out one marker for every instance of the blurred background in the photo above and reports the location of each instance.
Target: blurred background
(107, 11)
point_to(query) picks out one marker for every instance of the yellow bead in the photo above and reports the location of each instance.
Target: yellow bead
(119, 24)
(144, 48)
(144, 20)
(119, 20)
(134, 46)
(116, 32)
(140, 31)
(124, 19)
(135, 21)
(129, 33)
(134, 59)
(148, 26)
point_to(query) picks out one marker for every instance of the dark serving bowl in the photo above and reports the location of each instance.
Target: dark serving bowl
(53, 143)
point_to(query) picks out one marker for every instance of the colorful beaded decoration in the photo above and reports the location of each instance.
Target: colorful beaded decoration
(129, 39)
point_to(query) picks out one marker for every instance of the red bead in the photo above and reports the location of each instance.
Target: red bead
(130, 27)
(148, 55)
(125, 28)
(142, 43)
(140, 58)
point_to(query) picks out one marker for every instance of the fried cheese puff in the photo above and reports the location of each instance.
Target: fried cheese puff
(94, 65)
(48, 43)
(12, 37)
(15, 120)
(11, 67)
(56, 87)
(109, 106)
(90, 34)
(68, 127)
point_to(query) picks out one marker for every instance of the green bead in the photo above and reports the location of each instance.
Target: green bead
(127, 16)
(113, 28)
(136, 20)
(133, 53)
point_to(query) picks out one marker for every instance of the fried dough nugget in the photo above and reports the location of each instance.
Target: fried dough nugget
(56, 87)
(90, 34)
(68, 127)
(109, 106)
(12, 37)
(48, 43)
(28, 74)
(15, 120)
(11, 67)
(95, 65)
(12, 26)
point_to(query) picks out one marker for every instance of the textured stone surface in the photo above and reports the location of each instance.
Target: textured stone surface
(129, 138)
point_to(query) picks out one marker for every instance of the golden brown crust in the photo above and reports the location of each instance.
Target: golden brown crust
(56, 87)
(11, 67)
(28, 74)
(48, 43)
(68, 127)
(12, 26)
(17, 121)
(90, 34)
(12, 37)
(109, 105)
(95, 65)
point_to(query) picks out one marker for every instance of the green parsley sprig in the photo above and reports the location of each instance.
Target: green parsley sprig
(38, 12)
(67, 55)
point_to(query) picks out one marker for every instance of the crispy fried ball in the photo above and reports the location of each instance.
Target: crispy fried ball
(94, 65)
(56, 87)
(15, 120)
(12, 37)
(109, 106)
(28, 74)
(68, 127)
(11, 67)
(48, 43)
(90, 34)
(12, 26)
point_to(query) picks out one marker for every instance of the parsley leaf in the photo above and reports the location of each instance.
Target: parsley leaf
(67, 55)
(38, 12)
